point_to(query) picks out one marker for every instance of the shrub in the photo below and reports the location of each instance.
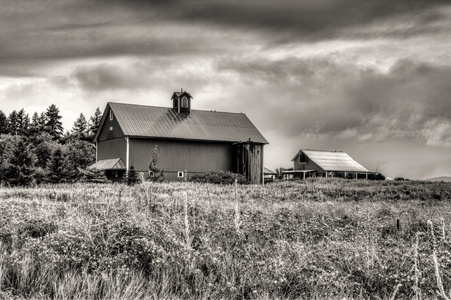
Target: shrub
(376, 176)
(93, 175)
(218, 177)
(131, 177)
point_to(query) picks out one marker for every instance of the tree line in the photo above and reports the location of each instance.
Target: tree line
(37, 150)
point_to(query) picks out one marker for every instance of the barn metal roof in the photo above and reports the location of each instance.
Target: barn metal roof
(180, 93)
(161, 122)
(109, 164)
(333, 160)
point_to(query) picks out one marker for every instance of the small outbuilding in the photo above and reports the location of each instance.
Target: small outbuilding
(320, 163)
(269, 175)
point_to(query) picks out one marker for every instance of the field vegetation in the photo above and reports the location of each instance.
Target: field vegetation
(320, 239)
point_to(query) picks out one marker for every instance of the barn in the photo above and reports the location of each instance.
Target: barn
(187, 141)
(320, 163)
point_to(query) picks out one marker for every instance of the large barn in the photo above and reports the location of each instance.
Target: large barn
(188, 141)
(320, 163)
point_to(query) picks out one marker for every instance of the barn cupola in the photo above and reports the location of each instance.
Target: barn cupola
(181, 102)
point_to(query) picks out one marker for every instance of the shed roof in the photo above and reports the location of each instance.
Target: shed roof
(109, 164)
(162, 122)
(268, 171)
(333, 160)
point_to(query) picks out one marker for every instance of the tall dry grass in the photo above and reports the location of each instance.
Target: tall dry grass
(324, 239)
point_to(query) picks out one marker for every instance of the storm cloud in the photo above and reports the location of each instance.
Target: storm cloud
(367, 77)
(325, 98)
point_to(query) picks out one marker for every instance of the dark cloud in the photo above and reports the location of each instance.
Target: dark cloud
(74, 29)
(325, 98)
(78, 29)
(147, 74)
(108, 77)
(311, 20)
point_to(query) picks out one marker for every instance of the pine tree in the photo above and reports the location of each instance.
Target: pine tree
(93, 175)
(131, 177)
(36, 126)
(12, 123)
(153, 166)
(53, 124)
(42, 121)
(23, 123)
(81, 153)
(80, 129)
(56, 167)
(43, 149)
(94, 123)
(19, 171)
(3, 123)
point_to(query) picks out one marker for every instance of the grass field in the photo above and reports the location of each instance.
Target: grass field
(322, 239)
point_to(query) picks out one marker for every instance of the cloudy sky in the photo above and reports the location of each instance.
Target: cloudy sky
(372, 78)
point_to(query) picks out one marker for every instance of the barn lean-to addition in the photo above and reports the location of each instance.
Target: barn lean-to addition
(320, 163)
(188, 141)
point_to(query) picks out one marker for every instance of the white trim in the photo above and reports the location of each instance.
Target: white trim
(127, 154)
(185, 103)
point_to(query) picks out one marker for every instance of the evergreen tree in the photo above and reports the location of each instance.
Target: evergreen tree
(93, 175)
(23, 123)
(56, 166)
(7, 146)
(80, 129)
(12, 123)
(53, 124)
(3, 123)
(131, 177)
(81, 153)
(42, 121)
(19, 171)
(94, 123)
(36, 126)
(153, 166)
(43, 149)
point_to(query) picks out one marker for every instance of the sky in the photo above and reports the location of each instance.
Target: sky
(371, 78)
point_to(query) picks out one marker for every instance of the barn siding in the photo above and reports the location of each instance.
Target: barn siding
(106, 133)
(111, 149)
(310, 165)
(255, 165)
(248, 160)
(195, 157)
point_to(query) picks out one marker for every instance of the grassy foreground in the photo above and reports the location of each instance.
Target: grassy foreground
(322, 239)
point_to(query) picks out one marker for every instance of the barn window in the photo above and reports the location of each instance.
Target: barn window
(185, 102)
(180, 174)
(111, 115)
(302, 158)
(151, 174)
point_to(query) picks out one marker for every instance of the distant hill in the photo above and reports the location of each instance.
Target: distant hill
(441, 178)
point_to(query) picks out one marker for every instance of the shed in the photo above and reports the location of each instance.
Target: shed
(321, 163)
(188, 141)
(269, 175)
